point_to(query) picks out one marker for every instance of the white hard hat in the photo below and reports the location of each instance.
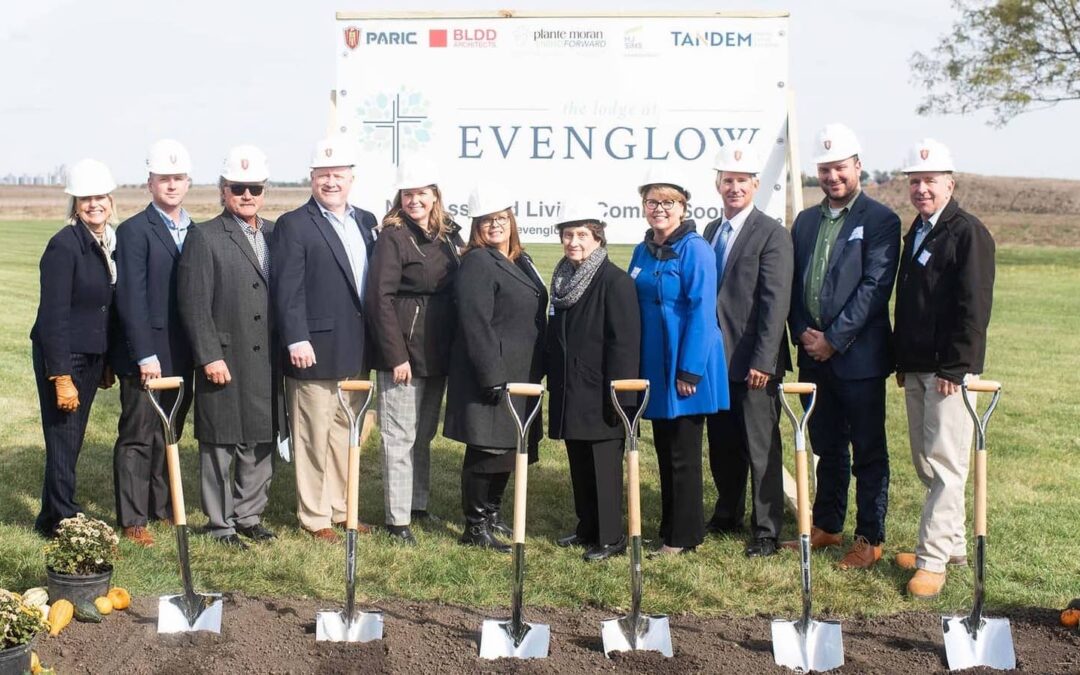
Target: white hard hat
(835, 142)
(488, 197)
(245, 164)
(737, 156)
(417, 173)
(929, 155)
(88, 178)
(168, 157)
(664, 175)
(574, 212)
(334, 151)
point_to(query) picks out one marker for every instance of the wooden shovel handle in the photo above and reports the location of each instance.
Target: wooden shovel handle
(798, 387)
(525, 389)
(633, 493)
(983, 386)
(521, 483)
(354, 385)
(802, 489)
(352, 489)
(159, 383)
(629, 385)
(980, 493)
(176, 485)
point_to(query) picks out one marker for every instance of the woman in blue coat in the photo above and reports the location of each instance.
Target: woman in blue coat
(682, 354)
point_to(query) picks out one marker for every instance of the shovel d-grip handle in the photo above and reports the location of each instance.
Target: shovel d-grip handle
(633, 475)
(352, 482)
(159, 383)
(521, 462)
(988, 387)
(802, 463)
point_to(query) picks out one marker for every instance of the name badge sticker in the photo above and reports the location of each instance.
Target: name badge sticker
(924, 257)
(636, 271)
(856, 234)
(551, 310)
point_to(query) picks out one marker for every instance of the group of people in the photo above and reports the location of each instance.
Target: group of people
(262, 320)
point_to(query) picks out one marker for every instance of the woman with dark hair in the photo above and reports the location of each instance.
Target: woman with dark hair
(70, 337)
(501, 301)
(593, 337)
(682, 353)
(412, 320)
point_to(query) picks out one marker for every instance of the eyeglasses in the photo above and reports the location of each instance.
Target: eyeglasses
(501, 221)
(667, 204)
(238, 189)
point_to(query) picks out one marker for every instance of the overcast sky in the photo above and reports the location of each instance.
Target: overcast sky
(105, 79)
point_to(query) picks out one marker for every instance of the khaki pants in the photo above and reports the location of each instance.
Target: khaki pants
(940, 430)
(320, 444)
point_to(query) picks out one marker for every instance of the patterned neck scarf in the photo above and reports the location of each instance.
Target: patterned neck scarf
(568, 283)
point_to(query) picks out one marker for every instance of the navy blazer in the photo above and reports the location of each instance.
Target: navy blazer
(147, 261)
(856, 290)
(314, 294)
(76, 299)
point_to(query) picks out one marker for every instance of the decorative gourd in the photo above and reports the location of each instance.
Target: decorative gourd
(120, 598)
(60, 615)
(1070, 616)
(86, 612)
(103, 605)
(36, 597)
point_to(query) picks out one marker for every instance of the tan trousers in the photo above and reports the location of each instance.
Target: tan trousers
(320, 445)
(941, 431)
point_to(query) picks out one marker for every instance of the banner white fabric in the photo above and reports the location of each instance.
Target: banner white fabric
(563, 109)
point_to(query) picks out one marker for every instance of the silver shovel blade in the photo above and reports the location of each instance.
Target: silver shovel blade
(172, 617)
(647, 633)
(498, 642)
(992, 645)
(331, 626)
(820, 647)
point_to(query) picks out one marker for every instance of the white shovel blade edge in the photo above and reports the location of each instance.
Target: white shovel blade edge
(657, 637)
(496, 643)
(330, 627)
(822, 648)
(171, 618)
(993, 647)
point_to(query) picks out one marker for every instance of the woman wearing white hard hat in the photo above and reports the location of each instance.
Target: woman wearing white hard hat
(409, 298)
(70, 337)
(682, 353)
(501, 301)
(593, 337)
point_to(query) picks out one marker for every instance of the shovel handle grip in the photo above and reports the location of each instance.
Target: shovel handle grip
(354, 385)
(802, 489)
(633, 493)
(352, 489)
(629, 385)
(983, 386)
(521, 483)
(524, 389)
(980, 493)
(176, 485)
(159, 383)
(798, 387)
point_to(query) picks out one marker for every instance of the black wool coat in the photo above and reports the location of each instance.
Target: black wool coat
(502, 308)
(589, 344)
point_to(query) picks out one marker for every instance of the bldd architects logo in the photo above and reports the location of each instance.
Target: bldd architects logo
(712, 38)
(394, 121)
(565, 38)
(469, 38)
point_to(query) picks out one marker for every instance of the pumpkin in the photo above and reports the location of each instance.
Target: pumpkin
(35, 597)
(87, 612)
(60, 615)
(120, 598)
(103, 605)
(1070, 616)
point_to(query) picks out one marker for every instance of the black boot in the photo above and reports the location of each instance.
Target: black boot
(496, 488)
(474, 492)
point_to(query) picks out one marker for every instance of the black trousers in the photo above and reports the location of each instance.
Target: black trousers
(484, 477)
(678, 453)
(596, 476)
(140, 476)
(64, 434)
(744, 439)
(849, 412)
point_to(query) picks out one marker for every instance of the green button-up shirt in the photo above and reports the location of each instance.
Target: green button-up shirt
(819, 262)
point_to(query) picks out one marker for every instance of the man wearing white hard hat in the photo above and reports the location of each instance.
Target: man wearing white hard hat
(70, 337)
(320, 254)
(943, 298)
(753, 276)
(846, 252)
(224, 295)
(154, 343)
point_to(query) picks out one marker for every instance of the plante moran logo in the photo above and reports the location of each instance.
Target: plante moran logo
(352, 37)
(712, 38)
(394, 121)
(561, 38)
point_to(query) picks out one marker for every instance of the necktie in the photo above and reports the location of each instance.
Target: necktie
(721, 249)
(920, 234)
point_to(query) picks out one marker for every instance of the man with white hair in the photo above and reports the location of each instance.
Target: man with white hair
(321, 252)
(154, 343)
(753, 278)
(846, 252)
(943, 298)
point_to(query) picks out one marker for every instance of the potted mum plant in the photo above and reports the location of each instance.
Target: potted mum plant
(19, 625)
(79, 560)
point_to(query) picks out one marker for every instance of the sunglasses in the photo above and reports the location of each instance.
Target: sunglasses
(238, 189)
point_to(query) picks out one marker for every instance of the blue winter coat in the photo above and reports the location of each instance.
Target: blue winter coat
(676, 289)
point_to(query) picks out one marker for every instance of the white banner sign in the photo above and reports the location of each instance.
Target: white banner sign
(563, 109)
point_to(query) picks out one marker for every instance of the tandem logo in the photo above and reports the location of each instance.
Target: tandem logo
(390, 37)
(712, 38)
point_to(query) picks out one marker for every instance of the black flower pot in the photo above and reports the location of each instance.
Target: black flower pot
(78, 587)
(16, 660)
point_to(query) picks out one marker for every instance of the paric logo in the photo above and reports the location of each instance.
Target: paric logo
(352, 37)
(712, 38)
(569, 38)
(390, 37)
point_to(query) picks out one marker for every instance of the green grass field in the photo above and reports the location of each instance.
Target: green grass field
(1034, 553)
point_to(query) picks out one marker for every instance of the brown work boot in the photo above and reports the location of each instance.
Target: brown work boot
(325, 534)
(906, 561)
(139, 535)
(819, 538)
(861, 556)
(925, 584)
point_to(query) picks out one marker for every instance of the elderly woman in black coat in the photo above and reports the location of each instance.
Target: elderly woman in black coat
(501, 302)
(593, 337)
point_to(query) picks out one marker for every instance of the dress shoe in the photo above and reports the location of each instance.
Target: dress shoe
(861, 556)
(666, 551)
(497, 525)
(761, 547)
(478, 534)
(598, 552)
(256, 532)
(401, 534)
(723, 527)
(572, 540)
(325, 534)
(361, 528)
(906, 561)
(819, 538)
(138, 534)
(232, 541)
(925, 584)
